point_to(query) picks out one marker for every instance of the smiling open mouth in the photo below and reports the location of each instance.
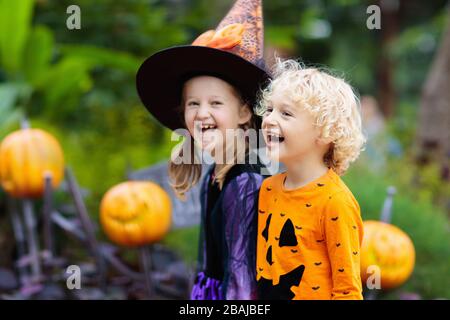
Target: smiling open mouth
(275, 138)
(206, 127)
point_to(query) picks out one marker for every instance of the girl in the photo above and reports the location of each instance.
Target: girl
(209, 88)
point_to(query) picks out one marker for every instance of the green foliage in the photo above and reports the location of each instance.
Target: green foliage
(185, 243)
(9, 94)
(426, 224)
(15, 19)
(101, 57)
(38, 54)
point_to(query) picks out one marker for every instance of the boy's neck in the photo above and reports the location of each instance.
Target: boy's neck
(301, 172)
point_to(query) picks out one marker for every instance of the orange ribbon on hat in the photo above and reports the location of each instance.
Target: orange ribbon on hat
(225, 38)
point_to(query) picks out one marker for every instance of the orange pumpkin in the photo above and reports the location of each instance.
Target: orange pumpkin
(135, 213)
(26, 156)
(389, 248)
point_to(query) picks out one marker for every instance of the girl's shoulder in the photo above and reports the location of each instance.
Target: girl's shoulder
(246, 170)
(245, 175)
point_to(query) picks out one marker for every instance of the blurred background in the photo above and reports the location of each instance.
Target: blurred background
(79, 86)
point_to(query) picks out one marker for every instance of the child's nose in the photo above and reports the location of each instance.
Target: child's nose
(202, 112)
(269, 120)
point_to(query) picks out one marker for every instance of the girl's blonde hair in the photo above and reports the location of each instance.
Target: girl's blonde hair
(184, 176)
(331, 101)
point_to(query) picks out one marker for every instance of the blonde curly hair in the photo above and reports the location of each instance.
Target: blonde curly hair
(330, 100)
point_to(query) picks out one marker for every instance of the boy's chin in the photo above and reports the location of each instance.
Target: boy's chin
(273, 154)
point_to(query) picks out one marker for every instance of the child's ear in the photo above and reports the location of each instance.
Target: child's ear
(244, 114)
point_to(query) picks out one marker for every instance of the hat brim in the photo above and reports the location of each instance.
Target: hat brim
(160, 78)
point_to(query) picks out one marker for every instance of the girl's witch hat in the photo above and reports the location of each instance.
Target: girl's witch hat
(232, 52)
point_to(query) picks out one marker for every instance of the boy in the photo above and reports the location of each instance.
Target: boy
(309, 223)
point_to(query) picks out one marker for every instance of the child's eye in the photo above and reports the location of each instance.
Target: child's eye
(286, 114)
(192, 103)
(268, 111)
(216, 103)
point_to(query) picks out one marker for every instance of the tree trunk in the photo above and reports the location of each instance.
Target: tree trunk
(389, 31)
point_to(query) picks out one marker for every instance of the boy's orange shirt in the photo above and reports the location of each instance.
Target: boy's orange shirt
(308, 240)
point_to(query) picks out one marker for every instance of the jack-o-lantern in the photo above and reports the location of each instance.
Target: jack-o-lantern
(26, 156)
(135, 213)
(388, 248)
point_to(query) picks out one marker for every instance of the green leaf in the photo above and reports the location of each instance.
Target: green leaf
(9, 95)
(38, 53)
(15, 20)
(68, 78)
(281, 36)
(98, 57)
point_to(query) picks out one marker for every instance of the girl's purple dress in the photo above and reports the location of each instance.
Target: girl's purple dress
(227, 247)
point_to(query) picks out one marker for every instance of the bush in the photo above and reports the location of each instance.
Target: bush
(426, 224)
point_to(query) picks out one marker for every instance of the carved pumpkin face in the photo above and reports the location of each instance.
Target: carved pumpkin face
(26, 156)
(135, 213)
(389, 248)
(285, 245)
